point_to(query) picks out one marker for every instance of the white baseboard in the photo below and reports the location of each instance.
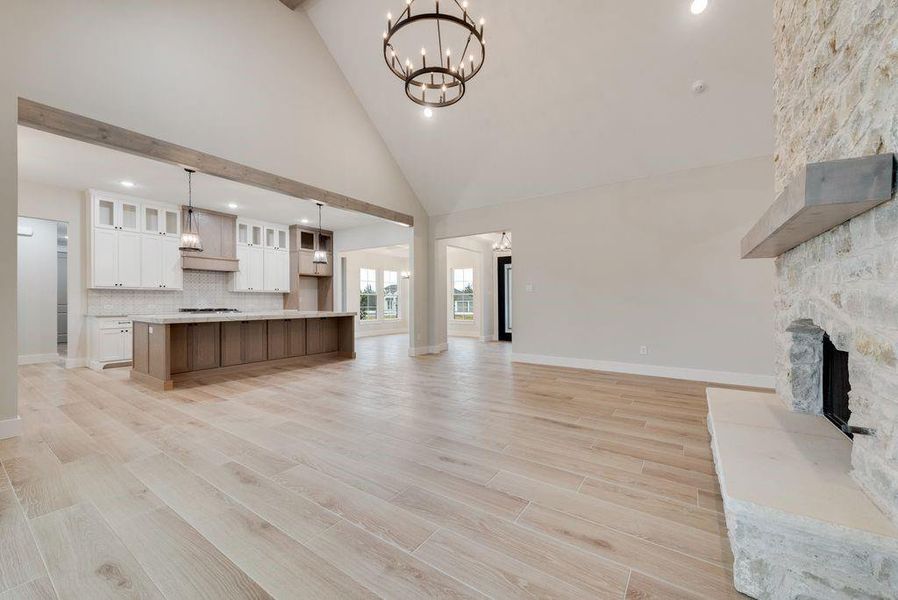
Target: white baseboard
(10, 428)
(75, 363)
(422, 350)
(36, 359)
(359, 333)
(725, 377)
(489, 338)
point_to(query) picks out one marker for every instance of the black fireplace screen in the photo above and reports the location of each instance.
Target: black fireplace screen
(836, 386)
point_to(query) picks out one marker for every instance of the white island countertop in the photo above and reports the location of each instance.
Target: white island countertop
(215, 317)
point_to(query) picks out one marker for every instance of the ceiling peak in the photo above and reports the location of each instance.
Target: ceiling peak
(293, 4)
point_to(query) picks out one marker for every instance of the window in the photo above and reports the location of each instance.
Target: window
(463, 294)
(367, 294)
(391, 295)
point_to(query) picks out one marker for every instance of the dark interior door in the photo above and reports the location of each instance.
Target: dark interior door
(505, 305)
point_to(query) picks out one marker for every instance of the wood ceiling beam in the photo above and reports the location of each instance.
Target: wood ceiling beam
(53, 120)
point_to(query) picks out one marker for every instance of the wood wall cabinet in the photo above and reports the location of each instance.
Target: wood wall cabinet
(303, 242)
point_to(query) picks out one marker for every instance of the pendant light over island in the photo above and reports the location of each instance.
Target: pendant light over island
(190, 235)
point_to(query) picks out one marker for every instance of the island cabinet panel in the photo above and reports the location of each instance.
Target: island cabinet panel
(178, 344)
(231, 344)
(277, 339)
(296, 337)
(203, 349)
(255, 341)
(322, 335)
(330, 335)
(313, 336)
(243, 342)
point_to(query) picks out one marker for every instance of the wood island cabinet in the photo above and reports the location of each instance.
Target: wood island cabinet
(165, 349)
(195, 347)
(243, 342)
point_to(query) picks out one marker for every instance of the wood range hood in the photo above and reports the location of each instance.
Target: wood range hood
(218, 232)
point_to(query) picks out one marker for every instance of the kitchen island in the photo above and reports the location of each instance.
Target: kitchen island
(169, 348)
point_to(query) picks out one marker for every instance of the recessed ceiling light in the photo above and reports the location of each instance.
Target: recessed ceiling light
(303, 220)
(698, 6)
(127, 184)
(232, 205)
(428, 112)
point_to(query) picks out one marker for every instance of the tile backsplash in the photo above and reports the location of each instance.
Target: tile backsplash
(202, 289)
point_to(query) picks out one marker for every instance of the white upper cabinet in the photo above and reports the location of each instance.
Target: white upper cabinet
(151, 261)
(172, 274)
(283, 239)
(105, 258)
(263, 252)
(242, 233)
(160, 220)
(276, 270)
(134, 244)
(262, 235)
(250, 276)
(129, 259)
(112, 211)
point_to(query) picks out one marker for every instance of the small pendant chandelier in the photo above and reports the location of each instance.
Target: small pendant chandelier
(441, 81)
(320, 256)
(190, 235)
(503, 245)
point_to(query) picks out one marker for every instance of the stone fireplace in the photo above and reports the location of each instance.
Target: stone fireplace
(836, 97)
(810, 513)
(844, 283)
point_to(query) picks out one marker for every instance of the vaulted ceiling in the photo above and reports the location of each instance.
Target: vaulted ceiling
(574, 94)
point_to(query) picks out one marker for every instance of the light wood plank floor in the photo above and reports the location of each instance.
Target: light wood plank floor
(453, 476)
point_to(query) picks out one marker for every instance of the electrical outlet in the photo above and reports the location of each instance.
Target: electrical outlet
(643, 350)
(529, 287)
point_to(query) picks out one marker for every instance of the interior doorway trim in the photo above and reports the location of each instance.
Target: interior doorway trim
(53, 120)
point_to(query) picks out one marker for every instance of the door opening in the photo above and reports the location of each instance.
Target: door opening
(504, 279)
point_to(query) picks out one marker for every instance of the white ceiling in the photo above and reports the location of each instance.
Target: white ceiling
(574, 94)
(54, 160)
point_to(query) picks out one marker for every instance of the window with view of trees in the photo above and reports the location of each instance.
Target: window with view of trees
(367, 294)
(391, 295)
(463, 294)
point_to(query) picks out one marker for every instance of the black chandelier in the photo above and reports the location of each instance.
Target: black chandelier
(442, 82)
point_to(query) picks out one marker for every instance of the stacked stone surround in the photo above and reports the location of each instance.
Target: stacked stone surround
(836, 92)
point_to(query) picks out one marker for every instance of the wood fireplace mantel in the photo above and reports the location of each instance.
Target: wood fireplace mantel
(822, 196)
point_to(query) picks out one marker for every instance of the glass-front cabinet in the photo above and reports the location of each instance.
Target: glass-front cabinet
(116, 212)
(263, 235)
(160, 220)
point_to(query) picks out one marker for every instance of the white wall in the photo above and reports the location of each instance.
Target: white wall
(250, 81)
(379, 262)
(651, 262)
(60, 204)
(36, 290)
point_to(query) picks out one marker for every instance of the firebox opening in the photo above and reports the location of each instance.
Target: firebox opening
(836, 386)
